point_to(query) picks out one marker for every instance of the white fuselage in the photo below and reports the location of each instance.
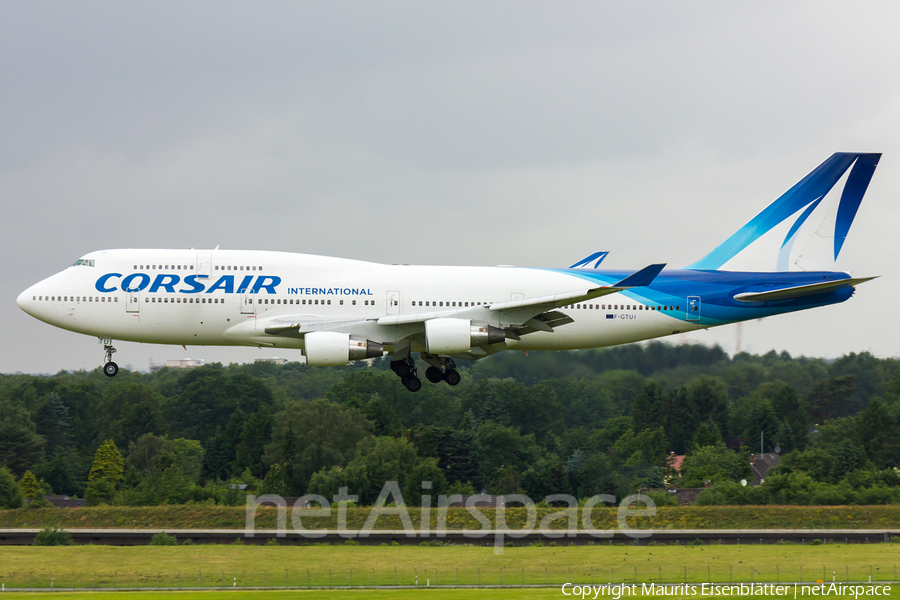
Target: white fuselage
(227, 297)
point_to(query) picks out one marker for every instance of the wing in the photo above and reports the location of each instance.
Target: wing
(519, 312)
(516, 317)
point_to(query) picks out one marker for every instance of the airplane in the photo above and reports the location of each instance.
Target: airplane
(337, 310)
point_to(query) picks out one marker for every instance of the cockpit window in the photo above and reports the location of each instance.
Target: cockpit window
(84, 262)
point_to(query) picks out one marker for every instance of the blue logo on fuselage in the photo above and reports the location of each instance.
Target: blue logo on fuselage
(192, 284)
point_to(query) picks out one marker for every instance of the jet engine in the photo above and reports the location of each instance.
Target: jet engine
(331, 348)
(455, 336)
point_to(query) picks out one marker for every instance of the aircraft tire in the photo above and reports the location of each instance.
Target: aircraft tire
(110, 369)
(402, 369)
(452, 377)
(433, 374)
(413, 384)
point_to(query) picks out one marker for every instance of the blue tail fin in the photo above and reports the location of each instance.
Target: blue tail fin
(804, 246)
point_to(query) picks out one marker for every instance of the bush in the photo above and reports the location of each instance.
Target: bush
(163, 539)
(99, 492)
(53, 537)
(663, 498)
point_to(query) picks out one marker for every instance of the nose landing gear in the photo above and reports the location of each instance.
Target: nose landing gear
(110, 369)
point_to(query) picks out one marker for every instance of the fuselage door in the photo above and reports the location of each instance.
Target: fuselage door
(204, 264)
(393, 302)
(248, 307)
(693, 306)
(133, 301)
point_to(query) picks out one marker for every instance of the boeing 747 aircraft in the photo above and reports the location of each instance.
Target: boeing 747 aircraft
(336, 310)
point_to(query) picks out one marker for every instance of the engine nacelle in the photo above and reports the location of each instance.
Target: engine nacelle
(332, 349)
(455, 336)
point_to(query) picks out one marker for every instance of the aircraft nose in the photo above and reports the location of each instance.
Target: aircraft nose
(24, 300)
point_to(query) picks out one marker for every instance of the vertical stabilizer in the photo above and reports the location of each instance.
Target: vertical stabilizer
(805, 228)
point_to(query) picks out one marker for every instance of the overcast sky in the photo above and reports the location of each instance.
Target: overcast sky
(483, 133)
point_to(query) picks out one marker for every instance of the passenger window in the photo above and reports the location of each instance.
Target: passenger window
(353, 302)
(329, 303)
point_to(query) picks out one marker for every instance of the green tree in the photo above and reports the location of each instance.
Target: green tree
(256, 432)
(714, 463)
(877, 431)
(309, 436)
(108, 464)
(30, 487)
(545, 477)
(20, 445)
(504, 447)
(106, 472)
(10, 494)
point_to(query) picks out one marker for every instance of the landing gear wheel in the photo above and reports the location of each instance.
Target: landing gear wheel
(401, 368)
(110, 368)
(433, 374)
(452, 377)
(413, 384)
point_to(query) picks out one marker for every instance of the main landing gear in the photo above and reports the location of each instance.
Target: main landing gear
(440, 369)
(110, 369)
(405, 368)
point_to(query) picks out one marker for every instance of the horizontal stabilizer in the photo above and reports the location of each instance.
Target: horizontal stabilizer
(643, 277)
(799, 291)
(591, 262)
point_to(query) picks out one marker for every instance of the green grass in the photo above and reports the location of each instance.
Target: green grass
(431, 594)
(234, 517)
(217, 566)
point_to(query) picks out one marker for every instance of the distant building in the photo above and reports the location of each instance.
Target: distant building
(277, 361)
(63, 501)
(178, 363)
(674, 461)
(761, 463)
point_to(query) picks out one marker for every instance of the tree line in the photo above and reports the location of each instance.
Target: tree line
(580, 423)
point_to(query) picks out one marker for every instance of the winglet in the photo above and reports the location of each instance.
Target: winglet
(584, 263)
(643, 277)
